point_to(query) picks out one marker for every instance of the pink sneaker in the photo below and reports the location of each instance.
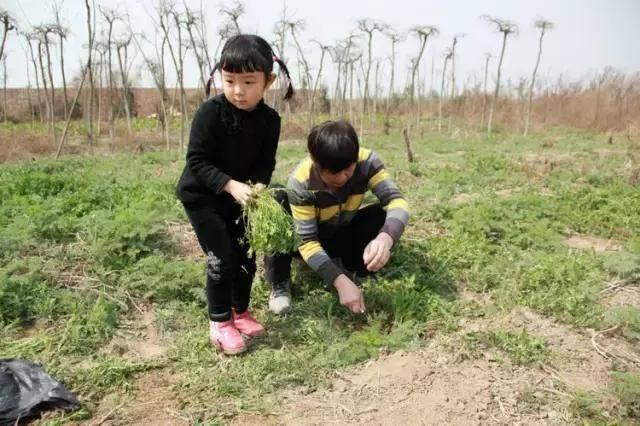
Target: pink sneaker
(247, 324)
(225, 337)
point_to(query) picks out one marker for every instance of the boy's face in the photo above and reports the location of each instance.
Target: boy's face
(245, 89)
(339, 179)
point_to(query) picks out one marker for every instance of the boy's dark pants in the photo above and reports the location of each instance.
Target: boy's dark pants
(346, 242)
(230, 270)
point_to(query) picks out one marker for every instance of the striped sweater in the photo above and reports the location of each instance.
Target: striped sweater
(314, 205)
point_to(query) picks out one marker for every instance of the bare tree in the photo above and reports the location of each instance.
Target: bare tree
(506, 28)
(110, 15)
(233, 14)
(167, 10)
(8, 24)
(447, 57)
(89, 69)
(156, 68)
(43, 32)
(323, 49)
(122, 49)
(280, 30)
(3, 59)
(453, 75)
(395, 38)
(368, 27)
(543, 25)
(100, 48)
(32, 109)
(201, 30)
(487, 58)
(454, 43)
(62, 33)
(423, 33)
(306, 75)
(191, 20)
(29, 37)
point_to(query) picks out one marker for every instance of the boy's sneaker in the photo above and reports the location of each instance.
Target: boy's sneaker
(225, 337)
(246, 324)
(280, 298)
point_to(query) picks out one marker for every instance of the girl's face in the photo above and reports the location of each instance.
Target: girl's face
(245, 89)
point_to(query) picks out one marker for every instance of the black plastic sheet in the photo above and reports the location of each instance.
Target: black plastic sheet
(26, 390)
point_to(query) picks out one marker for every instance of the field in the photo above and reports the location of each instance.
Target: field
(514, 296)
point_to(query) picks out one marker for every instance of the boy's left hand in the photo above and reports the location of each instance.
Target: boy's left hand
(378, 252)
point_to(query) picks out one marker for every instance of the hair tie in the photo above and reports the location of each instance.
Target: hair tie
(276, 59)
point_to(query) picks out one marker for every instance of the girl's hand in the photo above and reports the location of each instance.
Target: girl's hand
(238, 190)
(377, 252)
(350, 294)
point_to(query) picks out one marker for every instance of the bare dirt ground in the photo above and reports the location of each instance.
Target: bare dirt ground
(440, 384)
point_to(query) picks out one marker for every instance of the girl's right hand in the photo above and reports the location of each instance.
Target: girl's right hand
(238, 190)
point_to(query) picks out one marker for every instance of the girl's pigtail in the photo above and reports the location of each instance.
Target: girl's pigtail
(285, 70)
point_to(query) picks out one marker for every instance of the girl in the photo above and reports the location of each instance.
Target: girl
(233, 140)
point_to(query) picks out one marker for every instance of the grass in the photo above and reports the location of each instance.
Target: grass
(86, 240)
(522, 348)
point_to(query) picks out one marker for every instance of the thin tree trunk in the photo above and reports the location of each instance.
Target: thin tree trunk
(63, 138)
(442, 92)
(90, 72)
(315, 88)
(375, 89)
(125, 86)
(53, 99)
(45, 86)
(407, 144)
(29, 98)
(37, 78)
(497, 90)
(4, 88)
(484, 90)
(336, 92)
(110, 77)
(100, 92)
(64, 78)
(533, 82)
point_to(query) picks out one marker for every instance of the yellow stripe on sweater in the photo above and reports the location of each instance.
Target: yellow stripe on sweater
(303, 212)
(353, 202)
(363, 154)
(309, 249)
(378, 177)
(302, 173)
(398, 203)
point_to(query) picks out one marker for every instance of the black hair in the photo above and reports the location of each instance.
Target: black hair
(333, 145)
(249, 53)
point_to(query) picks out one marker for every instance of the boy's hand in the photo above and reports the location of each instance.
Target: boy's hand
(350, 295)
(377, 252)
(238, 190)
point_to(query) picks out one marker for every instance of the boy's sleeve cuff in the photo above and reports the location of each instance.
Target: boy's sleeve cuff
(394, 228)
(329, 271)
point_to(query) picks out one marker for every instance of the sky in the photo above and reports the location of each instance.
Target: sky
(589, 35)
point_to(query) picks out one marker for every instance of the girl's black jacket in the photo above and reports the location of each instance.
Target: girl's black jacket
(228, 143)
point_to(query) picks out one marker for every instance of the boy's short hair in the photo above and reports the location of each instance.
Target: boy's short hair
(333, 145)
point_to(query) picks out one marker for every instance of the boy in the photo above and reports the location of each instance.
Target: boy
(339, 240)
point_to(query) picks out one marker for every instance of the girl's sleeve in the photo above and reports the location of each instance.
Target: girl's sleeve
(267, 164)
(200, 150)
